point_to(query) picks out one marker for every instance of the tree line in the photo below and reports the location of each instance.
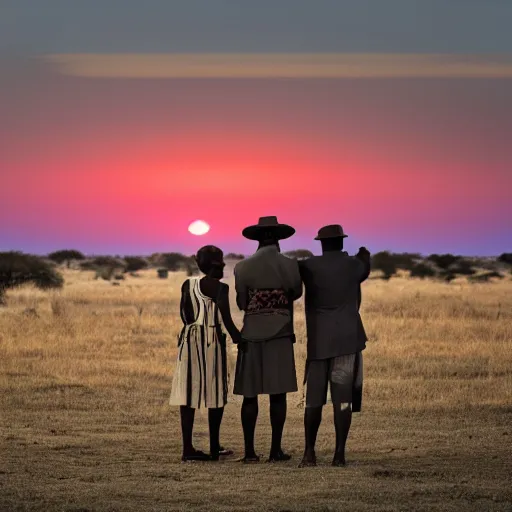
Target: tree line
(17, 268)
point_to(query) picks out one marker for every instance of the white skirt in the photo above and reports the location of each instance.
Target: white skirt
(201, 374)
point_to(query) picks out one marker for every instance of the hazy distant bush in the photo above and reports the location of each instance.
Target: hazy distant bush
(447, 275)
(299, 254)
(134, 263)
(17, 268)
(163, 273)
(66, 256)
(443, 261)
(422, 271)
(462, 267)
(234, 256)
(191, 267)
(174, 261)
(486, 276)
(405, 260)
(384, 262)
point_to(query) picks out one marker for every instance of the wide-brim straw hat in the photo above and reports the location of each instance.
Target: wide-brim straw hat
(268, 225)
(331, 231)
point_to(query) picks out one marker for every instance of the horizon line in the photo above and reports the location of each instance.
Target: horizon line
(281, 65)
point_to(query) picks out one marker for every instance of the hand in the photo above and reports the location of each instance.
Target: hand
(363, 251)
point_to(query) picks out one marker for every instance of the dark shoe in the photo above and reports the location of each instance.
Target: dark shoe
(339, 461)
(195, 456)
(280, 456)
(309, 460)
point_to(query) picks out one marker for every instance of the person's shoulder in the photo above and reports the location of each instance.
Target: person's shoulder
(239, 265)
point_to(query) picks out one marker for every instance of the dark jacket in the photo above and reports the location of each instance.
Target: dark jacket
(333, 295)
(267, 269)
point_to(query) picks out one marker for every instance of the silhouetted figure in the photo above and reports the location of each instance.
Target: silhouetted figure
(336, 337)
(200, 378)
(266, 285)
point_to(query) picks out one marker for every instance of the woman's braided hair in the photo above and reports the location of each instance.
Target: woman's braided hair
(209, 257)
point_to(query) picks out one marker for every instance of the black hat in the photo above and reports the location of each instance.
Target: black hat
(268, 224)
(330, 231)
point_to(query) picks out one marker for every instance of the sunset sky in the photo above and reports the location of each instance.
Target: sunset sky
(123, 121)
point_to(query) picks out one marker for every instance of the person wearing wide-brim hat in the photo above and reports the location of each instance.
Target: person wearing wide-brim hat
(336, 337)
(267, 283)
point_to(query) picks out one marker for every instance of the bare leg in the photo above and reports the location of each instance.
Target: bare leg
(342, 422)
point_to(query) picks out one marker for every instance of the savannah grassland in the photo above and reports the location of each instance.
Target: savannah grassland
(85, 375)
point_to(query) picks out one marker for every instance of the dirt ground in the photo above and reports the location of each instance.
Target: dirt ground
(85, 425)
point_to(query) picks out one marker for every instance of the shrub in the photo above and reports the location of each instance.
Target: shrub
(17, 268)
(485, 277)
(163, 273)
(422, 271)
(108, 261)
(134, 263)
(462, 267)
(443, 261)
(173, 261)
(384, 262)
(105, 273)
(234, 256)
(299, 254)
(447, 275)
(405, 260)
(65, 256)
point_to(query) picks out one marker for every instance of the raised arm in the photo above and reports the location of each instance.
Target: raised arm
(225, 311)
(364, 257)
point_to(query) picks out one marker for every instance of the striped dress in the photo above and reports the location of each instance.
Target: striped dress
(201, 375)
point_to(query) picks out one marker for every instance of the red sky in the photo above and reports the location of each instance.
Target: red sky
(124, 165)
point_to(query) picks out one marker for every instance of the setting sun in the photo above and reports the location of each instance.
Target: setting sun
(199, 227)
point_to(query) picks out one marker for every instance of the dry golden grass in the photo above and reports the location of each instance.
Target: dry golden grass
(85, 375)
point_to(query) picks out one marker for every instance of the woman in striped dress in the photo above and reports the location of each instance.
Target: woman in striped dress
(200, 377)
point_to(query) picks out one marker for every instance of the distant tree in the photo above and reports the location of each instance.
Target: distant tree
(422, 271)
(384, 262)
(134, 263)
(66, 256)
(506, 257)
(17, 268)
(462, 267)
(405, 260)
(173, 261)
(443, 261)
(191, 267)
(234, 256)
(108, 261)
(299, 254)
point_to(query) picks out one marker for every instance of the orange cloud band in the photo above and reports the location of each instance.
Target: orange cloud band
(289, 65)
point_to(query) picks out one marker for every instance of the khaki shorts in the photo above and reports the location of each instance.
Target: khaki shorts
(344, 374)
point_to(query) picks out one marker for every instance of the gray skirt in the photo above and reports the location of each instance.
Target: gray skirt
(266, 368)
